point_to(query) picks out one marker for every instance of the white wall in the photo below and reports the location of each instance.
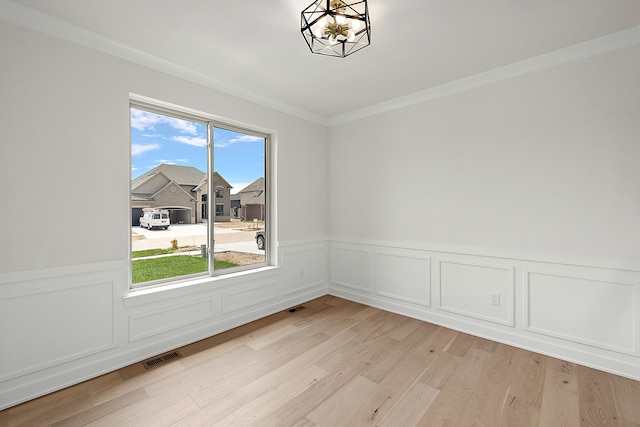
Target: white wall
(543, 163)
(526, 188)
(65, 150)
(65, 312)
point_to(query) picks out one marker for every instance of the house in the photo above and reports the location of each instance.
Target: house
(222, 198)
(252, 200)
(182, 190)
(475, 167)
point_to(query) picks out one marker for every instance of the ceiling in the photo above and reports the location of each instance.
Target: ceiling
(254, 49)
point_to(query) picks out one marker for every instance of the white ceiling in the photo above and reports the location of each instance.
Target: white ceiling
(254, 49)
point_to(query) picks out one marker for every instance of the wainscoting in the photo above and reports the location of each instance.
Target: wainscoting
(341, 363)
(585, 314)
(61, 326)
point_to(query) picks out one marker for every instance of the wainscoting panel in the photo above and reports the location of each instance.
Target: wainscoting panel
(484, 292)
(570, 309)
(304, 267)
(404, 275)
(583, 310)
(165, 318)
(244, 296)
(43, 325)
(351, 266)
(61, 326)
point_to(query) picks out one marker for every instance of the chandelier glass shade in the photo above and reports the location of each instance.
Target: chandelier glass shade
(336, 27)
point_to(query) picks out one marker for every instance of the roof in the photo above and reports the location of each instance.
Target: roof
(182, 175)
(257, 199)
(257, 185)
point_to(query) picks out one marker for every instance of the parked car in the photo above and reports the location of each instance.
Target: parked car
(156, 218)
(261, 240)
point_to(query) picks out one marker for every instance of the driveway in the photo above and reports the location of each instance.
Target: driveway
(226, 239)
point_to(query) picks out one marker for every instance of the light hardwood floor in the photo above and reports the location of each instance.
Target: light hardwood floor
(339, 363)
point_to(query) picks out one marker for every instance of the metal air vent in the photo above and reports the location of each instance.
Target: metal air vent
(294, 309)
(156, 361)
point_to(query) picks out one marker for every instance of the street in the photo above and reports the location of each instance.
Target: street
(227, 237)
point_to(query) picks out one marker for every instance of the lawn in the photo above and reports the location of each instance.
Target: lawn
(148, 269)
(151, 252)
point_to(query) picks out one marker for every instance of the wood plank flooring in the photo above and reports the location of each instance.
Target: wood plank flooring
(339, 363)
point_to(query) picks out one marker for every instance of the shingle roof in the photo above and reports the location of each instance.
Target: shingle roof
(183, 175)
(257, 185)
(257, 199)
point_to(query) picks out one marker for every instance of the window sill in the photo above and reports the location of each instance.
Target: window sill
(166, 291)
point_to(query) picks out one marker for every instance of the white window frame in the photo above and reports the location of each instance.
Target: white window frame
(212, 122)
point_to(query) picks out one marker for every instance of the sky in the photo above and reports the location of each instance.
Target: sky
(158, 139)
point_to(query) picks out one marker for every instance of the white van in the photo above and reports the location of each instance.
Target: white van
(155, 218)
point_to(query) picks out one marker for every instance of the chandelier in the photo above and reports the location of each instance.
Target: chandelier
(336, 27)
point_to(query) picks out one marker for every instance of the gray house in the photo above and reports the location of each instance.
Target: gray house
(182, 190)
(252, 200)
(221, 199)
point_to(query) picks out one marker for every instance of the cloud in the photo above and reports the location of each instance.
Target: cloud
(182, 125)
(144, 120)
(246, 138)
(140, 148)
(195, 141)
(243, 138)
(171, 162)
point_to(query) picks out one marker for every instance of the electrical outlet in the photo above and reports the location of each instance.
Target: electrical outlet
(495, 299)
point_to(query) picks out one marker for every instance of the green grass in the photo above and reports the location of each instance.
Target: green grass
(151, 252)
(146, 270)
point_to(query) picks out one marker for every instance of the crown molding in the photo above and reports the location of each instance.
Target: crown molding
(611, 42)
(37, 21)
(43, 23)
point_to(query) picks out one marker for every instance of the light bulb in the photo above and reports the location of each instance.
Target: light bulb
(351, 36)
(318, 32)
(341, 19)
(323, 22)
(355, 24)
(332, 39)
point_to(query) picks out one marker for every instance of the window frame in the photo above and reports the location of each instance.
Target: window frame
(211, 122)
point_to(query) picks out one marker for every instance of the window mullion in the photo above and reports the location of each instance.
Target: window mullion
(211, 212)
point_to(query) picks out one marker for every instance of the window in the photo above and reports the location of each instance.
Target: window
(203, 207)
(177, 160)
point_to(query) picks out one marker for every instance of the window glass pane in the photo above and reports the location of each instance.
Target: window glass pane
(174, 220)
(169, 165)
(240, 223)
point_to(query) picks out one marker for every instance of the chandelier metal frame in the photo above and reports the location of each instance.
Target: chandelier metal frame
(336, 27)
